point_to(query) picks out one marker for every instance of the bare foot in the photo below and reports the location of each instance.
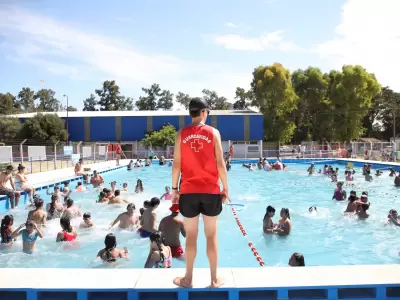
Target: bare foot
(183, 282)
(217, 283)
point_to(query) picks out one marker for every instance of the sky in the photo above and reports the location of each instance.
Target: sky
(187, 45)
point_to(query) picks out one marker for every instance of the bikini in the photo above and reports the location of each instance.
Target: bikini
(68, 237)
(167, 263)
(6, 236)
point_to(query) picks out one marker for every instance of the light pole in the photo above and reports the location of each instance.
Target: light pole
(66, 124)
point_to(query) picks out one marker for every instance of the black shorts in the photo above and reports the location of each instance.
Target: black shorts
(191, 205)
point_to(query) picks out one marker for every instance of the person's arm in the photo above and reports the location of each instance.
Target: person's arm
(60, 237)
(18, 231)
(395, 221)
(114, 222)
(219, 157)
(12, 183)
(176, 165)
(101, 179)
(152, 259)
(39, 232)
(162, 196)
(44, 218)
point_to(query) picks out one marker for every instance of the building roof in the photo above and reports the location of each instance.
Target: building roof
(143, 113)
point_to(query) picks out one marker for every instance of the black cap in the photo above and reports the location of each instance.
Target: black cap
(197, 104)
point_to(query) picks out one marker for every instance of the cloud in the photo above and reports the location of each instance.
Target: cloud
(268, 41)
(369, 35)
(35, 39)
(229, 24)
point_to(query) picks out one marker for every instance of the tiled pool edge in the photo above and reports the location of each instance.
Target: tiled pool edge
(93, 284)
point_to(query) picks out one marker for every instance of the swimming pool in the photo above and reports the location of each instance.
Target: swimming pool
(327, 239)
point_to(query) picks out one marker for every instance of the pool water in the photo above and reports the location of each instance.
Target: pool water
(329, 238)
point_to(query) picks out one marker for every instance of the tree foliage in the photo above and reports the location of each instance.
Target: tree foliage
(47, 127)
(90, 104)
(7, 103)
(161, 138)
(275, 97)
(27, 99)
(110, 98)
(214, 101)
(183, 99)
(10, 128)
(47, 101)
(155, 99)
(243, 99)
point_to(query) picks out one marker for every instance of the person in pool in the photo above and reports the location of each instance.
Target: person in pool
(171, 227)
(129, 166)
(29, 236)
(79, 187)
(393, 218)
(368, 176)
(71, 210)
(38, 215)
(167, 195)
(127, 219)
(268, 224)
(68, 233)
(285, 224)
(397, 180)
(392, 173)
(139, 186)
(148, 221)
(349, 176)
(160, 255)
(65, 189)
(340, 193)
(296, 260)
(147, 162)
(311, 169)
(102, 198)
(312, 210)
(111, 253)
(96, 180)
(87, 221)
(362, 213)
(352, 205)
(117, 199)
(113, 186)
(54, 208)
(6, 229)
(378, 173)
(124, 187)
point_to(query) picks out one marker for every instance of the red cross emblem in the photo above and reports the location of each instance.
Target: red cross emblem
(196, 145)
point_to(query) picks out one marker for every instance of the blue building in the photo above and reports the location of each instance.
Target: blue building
(110, 126)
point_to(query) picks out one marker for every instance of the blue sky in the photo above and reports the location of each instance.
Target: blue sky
(188, 45)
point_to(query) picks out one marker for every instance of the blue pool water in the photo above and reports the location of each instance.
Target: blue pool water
(330, 238)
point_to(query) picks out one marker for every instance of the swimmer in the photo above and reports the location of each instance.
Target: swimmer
(349, 176)
(392, 173)
(141, 210)
(129, 166)
(268, 223)
(127, 219)
(148, 221)
(113, 186)
(79, 171)
(124, 187)
(87, 221)
(147, 162)
(340, 193)
(162, 161)
(266, 165)
(160, 255)
(368, 176)
(117, 199)
(312, 209)
(296, 260)
(71, 210)
(57, 192)
(325, 170)
(109, 194)
(228, 165)
(29, 236)
(311, 169)
(66, 191)
(110, 253)
(79, 187)
(68, 233)
(393, 218)
(139, 186)
(38, 215)
(334, 176)
(378, 173)
(352, 205)
(171, 227)
(6, 230)
(397, 180)
(285, 225)
(102, 198)
(138, 163)
(96, 180)
(362, 213)
(167, 195)
(54, 208)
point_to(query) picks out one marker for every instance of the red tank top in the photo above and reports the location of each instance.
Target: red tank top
(199, 173)
(68, 236)
(118, 150)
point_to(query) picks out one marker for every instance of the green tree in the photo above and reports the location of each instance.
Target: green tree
(90, 104)
(388, 107)
(161, 138)
(351, 92)
(6, 104)
(313, 117)
(10, 127)
(243, 99)
(276, 99)
(27, 99)
(183, 99)
(150, 101)
(47, 127)
(214, 101)
(166, 100)
(71, 108)
(110, 98)
(47, 101)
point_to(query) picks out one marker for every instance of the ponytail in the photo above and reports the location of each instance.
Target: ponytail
(159, 242)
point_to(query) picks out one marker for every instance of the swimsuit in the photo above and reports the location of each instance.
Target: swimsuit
(167, 263)
(177, 251)
(338, 195)
(144, 233)
(6, 236)
(29, 238)
(18, 184)
(168, 196)
(68, 236)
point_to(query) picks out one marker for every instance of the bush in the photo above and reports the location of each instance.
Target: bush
(9, 128)
(161, 138)
(49, 127)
